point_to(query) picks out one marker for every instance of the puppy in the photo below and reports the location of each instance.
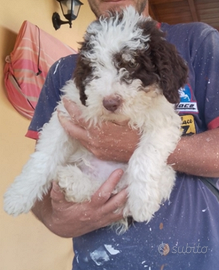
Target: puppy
(126, 70)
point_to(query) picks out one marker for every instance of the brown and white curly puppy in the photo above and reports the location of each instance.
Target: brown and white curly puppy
(126, 70)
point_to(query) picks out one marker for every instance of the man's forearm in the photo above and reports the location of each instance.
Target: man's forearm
(42, 210)
(197, 154)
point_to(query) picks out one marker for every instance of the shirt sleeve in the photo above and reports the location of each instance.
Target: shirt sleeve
(59, 73)
(206, 65)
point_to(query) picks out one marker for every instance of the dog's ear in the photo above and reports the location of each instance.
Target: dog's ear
(83, 70)
(171, 69)
(81, 73)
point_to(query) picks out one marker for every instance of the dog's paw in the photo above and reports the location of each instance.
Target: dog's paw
(141, 211)
(76, 185)
(143, 215)
(22, 195)
(15, 203)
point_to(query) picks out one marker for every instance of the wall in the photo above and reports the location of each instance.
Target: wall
(24, 242)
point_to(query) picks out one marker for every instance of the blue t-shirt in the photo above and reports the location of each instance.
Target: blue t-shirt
(184, 233)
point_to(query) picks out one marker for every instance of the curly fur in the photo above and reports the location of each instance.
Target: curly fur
(126, 70)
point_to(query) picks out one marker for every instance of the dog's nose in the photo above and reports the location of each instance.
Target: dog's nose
(111, 103)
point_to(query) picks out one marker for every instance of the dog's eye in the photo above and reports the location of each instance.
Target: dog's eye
(132, 64)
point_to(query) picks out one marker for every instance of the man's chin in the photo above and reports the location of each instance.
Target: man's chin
(114, 6)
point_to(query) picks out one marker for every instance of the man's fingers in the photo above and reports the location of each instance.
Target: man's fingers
(74, 112)
(71, 107)
(116, 204)
(103, 194)
(74, 130)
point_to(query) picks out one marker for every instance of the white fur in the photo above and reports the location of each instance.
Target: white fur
(79, 173)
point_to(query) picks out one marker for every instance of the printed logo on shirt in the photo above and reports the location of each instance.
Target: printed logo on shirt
(186, 103)
(164, 249)
(188, 125)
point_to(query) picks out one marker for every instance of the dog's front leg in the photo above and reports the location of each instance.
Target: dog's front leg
(52, 149)
(150, 179)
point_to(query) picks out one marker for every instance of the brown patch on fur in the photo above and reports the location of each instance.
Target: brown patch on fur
(82, 72)
(163, 59)
(159, 64)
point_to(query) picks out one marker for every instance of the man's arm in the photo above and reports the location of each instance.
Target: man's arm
(68, 219)
(197, 154)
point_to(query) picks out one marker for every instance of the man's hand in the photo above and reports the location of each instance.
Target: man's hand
(68, 219)
(114, 141)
